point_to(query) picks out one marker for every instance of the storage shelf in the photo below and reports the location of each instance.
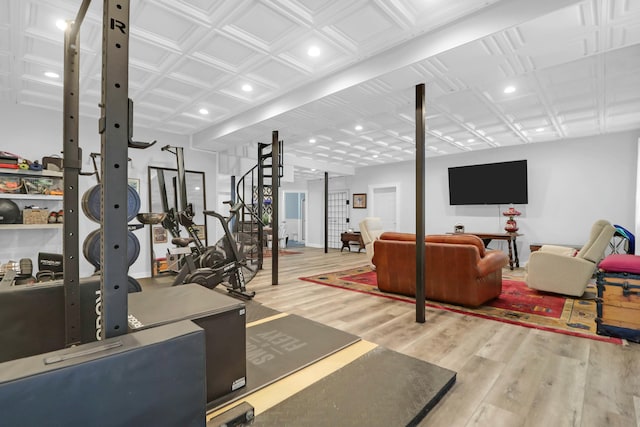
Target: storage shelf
(19, 196)
(28, 226)
(47, 173)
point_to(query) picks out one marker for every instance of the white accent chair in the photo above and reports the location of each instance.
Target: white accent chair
(561, 270)
(370, 230)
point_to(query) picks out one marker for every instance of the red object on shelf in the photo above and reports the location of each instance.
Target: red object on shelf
(512, 225)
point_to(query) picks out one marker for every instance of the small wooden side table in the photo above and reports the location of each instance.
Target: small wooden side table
(348, 237)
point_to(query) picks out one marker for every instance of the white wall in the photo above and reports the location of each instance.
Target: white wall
(33, 133)
(572, 183)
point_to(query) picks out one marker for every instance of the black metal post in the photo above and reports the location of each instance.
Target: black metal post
(275, 190)
(326, 212)
(420, 200)
(260, 202)
(114, 128)
(71, 172)
(182, 185)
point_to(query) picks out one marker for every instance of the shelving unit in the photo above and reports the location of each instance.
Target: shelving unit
(23, 199)
(29, 226)
(20, 196)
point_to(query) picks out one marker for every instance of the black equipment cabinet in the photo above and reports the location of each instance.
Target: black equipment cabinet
(223, 319)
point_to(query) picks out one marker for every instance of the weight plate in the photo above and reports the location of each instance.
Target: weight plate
(91, 203)
(91, 248)
(133, 203)
(134, 285)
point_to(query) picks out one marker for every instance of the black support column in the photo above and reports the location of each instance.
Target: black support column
(113, 128)
(71, 172)
(420, 201)
(275, 196)
(326, 212)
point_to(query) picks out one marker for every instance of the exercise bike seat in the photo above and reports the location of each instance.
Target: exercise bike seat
(183, 242)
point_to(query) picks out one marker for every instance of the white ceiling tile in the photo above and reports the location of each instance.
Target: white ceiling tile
(147, 54)
(197, 73)
(177, 89)
(263, 24)
(224, 102)
(162, 23)
(225, 51)
(364, 23)
(276, 73)
(5, 38)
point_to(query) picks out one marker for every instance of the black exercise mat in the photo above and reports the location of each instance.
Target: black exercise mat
(257, 311)
(381, 388)
(282, 346)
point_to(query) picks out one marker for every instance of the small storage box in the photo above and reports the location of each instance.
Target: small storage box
(35, 216)
(618, 302)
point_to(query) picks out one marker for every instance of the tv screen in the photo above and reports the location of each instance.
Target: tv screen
(489, 184)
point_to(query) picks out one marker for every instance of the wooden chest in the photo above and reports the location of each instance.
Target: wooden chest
(618, 305)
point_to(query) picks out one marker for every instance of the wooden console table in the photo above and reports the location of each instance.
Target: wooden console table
(509, 237)
(347, 237)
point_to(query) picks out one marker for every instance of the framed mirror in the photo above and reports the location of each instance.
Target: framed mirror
(166, 196)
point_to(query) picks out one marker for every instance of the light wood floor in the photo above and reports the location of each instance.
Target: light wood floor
(507, 375)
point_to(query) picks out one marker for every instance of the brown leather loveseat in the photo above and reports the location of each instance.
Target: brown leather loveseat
(458, 268)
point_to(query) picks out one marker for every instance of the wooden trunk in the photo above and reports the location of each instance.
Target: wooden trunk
(618, 305)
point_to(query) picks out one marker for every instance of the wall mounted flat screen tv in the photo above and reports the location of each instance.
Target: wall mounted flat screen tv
(489, 184)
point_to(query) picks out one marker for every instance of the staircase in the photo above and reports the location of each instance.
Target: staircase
(254, 192)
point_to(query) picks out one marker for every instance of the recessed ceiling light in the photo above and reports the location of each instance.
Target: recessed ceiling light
(313, 170)
(312, 141)
(247, 87)
(51, 74)
(358, 127)
(313, 51)
(203, 111)
(375, 156)
(539, 129)
(509, 89)
(61, 24)
(471, 140)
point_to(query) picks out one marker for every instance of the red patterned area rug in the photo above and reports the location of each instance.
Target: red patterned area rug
(517, 304)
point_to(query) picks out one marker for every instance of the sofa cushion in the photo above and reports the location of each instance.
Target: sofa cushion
(393, 235)
(456, 239)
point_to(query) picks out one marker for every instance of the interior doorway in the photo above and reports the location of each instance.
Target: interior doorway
(384, 205)
(295, 217)
(338, 218)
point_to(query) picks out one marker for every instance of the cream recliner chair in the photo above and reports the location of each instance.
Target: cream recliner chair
(370, 230)
(561, 270)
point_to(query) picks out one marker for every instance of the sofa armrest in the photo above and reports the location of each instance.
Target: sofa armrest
(492, 261)
(560, 250)
(558, 273)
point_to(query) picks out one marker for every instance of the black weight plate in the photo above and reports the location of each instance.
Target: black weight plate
(91, 203)
(91, 248)
(133, 285)
(133, 247)
(133, 203)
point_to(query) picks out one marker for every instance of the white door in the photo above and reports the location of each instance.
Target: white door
(385, 207)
